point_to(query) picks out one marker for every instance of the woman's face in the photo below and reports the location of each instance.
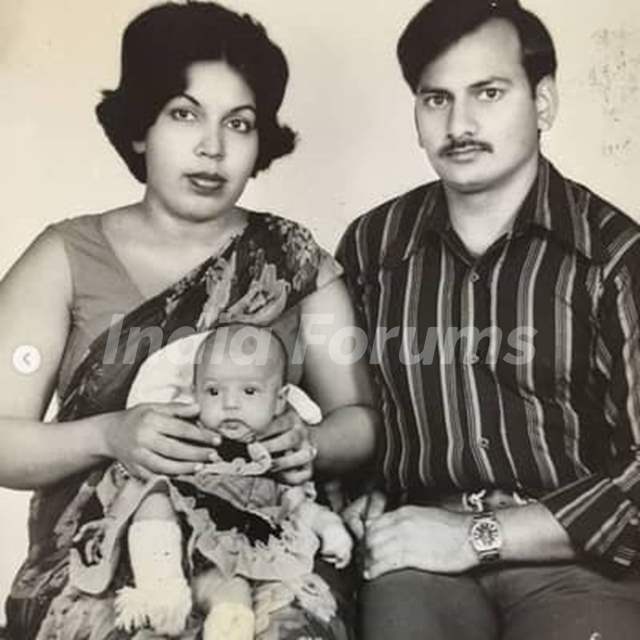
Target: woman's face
(202, 148)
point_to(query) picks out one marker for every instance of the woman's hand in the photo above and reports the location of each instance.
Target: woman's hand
(292, 448)
(158, 439)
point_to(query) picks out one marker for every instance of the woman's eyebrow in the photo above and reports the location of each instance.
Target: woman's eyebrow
(243, 107)
(197, 103)
(190, 98)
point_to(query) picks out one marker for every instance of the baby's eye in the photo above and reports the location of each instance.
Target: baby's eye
(182, 114)
(212, 391)
(242, 125)
(250, 391)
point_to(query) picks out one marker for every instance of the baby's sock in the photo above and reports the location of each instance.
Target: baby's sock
(161, 597)
(229, 621)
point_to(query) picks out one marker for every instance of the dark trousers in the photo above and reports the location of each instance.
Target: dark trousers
(543, 602)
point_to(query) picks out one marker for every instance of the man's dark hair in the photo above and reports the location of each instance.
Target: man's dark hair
(159, 45)
(441, 23)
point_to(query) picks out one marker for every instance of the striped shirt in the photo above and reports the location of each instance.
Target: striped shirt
(517, 370)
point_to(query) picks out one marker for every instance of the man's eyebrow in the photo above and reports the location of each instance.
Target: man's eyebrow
(425, 88)
(476, 85)
(492, 80)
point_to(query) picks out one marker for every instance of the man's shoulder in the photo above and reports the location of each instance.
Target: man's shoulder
(611, 231)
(392, 221)
(402, 205)
(385, 229)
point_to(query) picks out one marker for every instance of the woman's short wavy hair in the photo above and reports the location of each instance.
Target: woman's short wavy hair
(441, 23)
(157, 48)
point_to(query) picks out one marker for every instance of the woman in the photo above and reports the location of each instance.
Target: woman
(115, 287)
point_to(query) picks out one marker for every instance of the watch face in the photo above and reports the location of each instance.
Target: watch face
(485, 535)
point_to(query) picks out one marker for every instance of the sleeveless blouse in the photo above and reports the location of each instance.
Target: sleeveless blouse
(103, 290)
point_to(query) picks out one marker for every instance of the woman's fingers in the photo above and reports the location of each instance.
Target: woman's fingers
(169, 447)
(284, 422)
(159, 438)
(176, 439)
(178, 409)
(292, 451)
(304, 456)
(183, 415)
(286, 432)
(291, 448)
(177, 428)
(157, 464)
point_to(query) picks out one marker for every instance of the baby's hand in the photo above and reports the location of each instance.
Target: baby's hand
(336, 545)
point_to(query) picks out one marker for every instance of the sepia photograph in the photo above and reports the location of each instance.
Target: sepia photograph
(320, 321)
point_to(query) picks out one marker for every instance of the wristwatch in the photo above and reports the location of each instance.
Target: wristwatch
(485, 536)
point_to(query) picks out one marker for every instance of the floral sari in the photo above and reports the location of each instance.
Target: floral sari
(259, 278)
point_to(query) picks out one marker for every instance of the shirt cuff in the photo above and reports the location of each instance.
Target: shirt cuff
(599, 518)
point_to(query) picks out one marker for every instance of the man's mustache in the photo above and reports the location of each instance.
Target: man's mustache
(464, 145)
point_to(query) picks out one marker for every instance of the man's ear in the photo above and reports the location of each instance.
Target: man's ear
(139, 146)
(546, 98)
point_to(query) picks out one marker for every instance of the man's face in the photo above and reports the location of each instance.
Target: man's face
(476, 116)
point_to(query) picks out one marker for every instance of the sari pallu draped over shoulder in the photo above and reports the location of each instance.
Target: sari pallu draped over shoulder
(259, 278)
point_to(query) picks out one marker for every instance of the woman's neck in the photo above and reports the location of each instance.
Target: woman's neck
(165, 227)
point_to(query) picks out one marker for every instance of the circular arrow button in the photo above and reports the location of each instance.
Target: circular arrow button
(26, 359)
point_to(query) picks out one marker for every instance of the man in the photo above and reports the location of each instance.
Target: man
(502, 305)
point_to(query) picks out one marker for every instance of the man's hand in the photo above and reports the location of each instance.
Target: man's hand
(424, 538)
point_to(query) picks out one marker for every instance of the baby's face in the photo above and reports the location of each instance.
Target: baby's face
(238, 400)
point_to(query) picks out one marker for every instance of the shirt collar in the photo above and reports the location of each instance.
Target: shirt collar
(556, 206)
(552, 204)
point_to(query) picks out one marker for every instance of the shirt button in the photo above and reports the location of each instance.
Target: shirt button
(474, 277)
(484, 443)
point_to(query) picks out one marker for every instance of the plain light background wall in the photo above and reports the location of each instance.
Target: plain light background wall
(346, 99)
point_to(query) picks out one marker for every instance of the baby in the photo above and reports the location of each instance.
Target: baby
(250, 540)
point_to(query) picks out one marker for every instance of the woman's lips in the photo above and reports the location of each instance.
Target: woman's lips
(206, 183)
